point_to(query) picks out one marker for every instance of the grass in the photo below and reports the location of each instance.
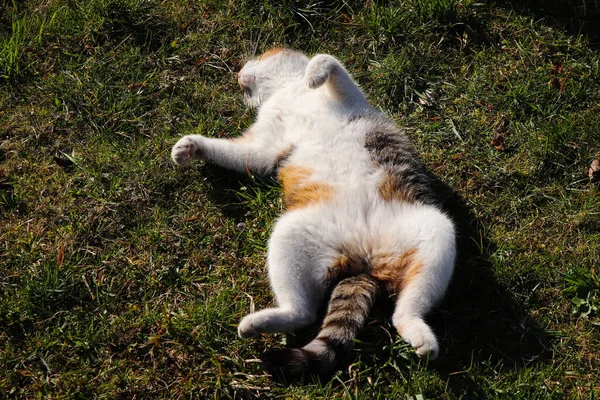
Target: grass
(123, 276)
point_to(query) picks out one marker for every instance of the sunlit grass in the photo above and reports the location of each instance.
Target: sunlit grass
(124, 276)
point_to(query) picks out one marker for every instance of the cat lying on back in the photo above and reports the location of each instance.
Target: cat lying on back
(361, 208)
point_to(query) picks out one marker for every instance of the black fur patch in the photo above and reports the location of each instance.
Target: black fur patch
(407, 177)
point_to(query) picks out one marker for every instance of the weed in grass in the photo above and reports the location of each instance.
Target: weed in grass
(10, 55)
(584, 287)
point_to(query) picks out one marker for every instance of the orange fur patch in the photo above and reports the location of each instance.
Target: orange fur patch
(411, 273)
(345, 266)
(395, 271)
(299, 191)
(270, 53)
(391, 189)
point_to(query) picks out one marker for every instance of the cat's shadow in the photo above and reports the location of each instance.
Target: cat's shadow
(478, 320)
(224, 186)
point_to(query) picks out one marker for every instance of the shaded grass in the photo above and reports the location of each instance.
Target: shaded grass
(125, 276)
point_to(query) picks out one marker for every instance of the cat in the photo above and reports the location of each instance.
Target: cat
(362, 211)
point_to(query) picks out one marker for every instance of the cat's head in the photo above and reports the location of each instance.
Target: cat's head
(264, 75)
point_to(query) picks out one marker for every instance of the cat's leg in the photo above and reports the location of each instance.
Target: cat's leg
(408, 319)
(246, 153)
(300, 253)
(424, 279)
(325, 69)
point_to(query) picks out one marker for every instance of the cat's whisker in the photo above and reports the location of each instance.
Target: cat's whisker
(256, 46)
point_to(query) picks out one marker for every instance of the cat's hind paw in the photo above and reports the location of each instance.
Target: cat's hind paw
(185, 150)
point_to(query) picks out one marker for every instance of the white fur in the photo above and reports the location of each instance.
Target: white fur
(307, 104)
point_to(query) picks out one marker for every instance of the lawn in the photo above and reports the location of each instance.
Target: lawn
(124, 276)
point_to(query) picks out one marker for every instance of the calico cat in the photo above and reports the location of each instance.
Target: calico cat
(362, 211)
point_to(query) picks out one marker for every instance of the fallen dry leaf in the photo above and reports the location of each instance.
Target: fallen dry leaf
(498, 142)
(60, 258)
(562, 86)
(594, 170)
(558, 66)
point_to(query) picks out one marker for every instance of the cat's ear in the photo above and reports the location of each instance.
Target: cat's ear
(246, 78)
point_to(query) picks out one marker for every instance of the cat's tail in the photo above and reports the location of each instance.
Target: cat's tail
(350, 305)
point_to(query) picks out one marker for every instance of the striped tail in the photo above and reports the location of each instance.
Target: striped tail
(350, 305)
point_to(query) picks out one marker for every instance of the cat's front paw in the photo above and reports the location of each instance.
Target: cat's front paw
(316, 81)
(186, 149)
(245, 328)
(318, 70)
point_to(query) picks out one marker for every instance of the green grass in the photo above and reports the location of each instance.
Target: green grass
(123, 276)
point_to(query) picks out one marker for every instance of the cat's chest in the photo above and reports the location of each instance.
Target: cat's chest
(304, 112)
(321, 136)
(300, 120)
(335, 159)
